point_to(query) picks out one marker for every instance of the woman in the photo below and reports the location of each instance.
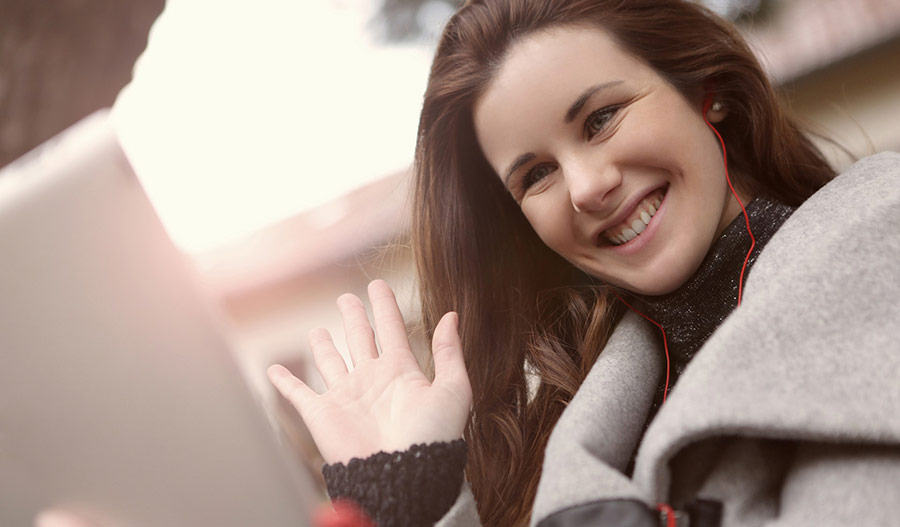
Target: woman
(573, 198)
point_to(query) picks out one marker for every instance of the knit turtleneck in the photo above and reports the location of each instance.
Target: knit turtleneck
(691, 313)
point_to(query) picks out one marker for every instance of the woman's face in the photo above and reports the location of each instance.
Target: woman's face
(613, 167)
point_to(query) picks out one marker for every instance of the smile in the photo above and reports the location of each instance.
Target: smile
(637, 221)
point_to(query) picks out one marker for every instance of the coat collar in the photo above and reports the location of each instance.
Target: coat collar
(812, 353)
(600, 428)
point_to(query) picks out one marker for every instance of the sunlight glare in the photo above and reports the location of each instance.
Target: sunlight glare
(243, 114)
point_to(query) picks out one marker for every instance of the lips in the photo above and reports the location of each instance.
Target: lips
(637, 220)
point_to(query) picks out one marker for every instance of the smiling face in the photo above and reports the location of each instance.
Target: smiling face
(613, 167)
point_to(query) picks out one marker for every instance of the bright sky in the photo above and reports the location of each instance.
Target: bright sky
(245, 113)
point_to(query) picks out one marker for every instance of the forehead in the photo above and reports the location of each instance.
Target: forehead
(579, 51)
(543, 74)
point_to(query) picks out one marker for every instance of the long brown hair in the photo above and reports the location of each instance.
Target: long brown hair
(524, 311)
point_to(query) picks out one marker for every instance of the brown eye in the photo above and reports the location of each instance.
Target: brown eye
(597, 121)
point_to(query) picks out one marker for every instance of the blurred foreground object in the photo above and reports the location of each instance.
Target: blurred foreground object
(125, 404)
(61, 519)
(342, 514)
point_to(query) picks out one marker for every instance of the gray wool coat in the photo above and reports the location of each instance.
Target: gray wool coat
(788, 416)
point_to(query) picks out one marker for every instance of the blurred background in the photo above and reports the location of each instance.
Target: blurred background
(275, 137)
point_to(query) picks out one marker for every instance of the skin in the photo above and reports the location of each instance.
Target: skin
(636, 134)
(385, 402)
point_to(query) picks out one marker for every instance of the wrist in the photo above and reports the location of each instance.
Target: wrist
(410, 487)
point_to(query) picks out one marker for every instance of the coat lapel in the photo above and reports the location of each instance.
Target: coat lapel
(596, 435)
(813, 351)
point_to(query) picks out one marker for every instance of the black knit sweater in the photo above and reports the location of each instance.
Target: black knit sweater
(417, 487)
(410, 488)
(691, 313)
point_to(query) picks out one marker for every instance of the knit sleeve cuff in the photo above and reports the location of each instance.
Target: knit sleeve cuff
(412, 488)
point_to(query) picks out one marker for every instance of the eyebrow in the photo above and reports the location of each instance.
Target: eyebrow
(571, 113)
(521, 160)
(579, 103)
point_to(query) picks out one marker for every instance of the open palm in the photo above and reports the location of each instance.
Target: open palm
(386, 402)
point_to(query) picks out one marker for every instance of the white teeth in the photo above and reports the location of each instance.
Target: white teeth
(637, 225)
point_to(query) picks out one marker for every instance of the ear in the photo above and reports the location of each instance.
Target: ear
(715, 110)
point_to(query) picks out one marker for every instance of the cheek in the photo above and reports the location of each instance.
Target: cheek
(651, 141)
(550, 221)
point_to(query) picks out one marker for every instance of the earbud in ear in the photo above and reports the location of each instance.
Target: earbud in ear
(713, 110)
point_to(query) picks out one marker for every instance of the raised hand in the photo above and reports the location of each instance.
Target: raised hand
(385, 402)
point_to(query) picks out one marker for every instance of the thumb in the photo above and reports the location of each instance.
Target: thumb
(449, 365)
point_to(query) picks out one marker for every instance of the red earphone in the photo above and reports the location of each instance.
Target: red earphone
(707, 104)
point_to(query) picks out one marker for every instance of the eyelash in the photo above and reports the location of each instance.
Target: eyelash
(607, 113)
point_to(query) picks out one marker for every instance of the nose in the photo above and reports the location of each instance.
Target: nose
(590, 184)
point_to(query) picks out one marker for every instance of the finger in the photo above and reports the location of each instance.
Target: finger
(449, 365)
(292, 388)
(360, 336)
(329, 361)
(389, 323)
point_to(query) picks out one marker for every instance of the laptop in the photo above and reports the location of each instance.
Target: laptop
(120, 398)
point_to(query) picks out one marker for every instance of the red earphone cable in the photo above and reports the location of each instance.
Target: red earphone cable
(706, 107)
(671, 519)
(665, 342)
(744, 210)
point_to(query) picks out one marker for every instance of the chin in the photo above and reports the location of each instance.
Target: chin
(655, 284)
(655, 289)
